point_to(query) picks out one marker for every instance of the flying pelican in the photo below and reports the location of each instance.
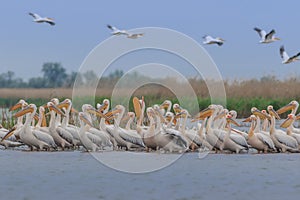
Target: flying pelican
(210, 40)
(285, 57)
(266, 38)
(39, 19)
(135, 35)
(116, 31)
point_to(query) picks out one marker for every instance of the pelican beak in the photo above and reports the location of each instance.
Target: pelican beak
(277, 38)
(125, 118)
(36, 116)
(207, 112)
(137, 107)
(261, 115)
(73, 110)
(297, 117)
(22, 112)
(248, 119)
(219, 116)
(285, 108)
(96, 112)
(10, 133)
(286, 123)
(232, 121)
(86, 120)
(274, 113)
(63, 104)
(56, 109)
(102, 107)
(16, 106)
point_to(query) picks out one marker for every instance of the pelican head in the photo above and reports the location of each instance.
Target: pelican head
(272, 112)
(30, 108)
(52, 107)
(21, 103)
(289, 120)
(85, 119)
(258, 113)
(230, 120)
(292, 105)
(221, 39)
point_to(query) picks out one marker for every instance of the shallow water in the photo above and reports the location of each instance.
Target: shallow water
(77, 175)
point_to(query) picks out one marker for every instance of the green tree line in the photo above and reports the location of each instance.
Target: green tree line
(54, 75)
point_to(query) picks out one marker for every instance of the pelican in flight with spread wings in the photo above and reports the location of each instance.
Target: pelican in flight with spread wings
(39, 19)
(285, 57)
(210, 40)
(266, 38)
(116, 31)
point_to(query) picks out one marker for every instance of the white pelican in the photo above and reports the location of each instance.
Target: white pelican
(134, 35)
(257, 140)
(149, 135)
(211, 137)
(99, 137)
(293, 105)
(210, 40)
(61, 142)
(285, 57)
(116, 31)
(228, 143)
(39, 19)
(167, 138)
(288, 124)
(85, 124)
(124, 138)
(266, 38)
(281, 140)
(26, 134)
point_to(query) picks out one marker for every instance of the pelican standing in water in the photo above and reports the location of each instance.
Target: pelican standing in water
(266, 38)
(210, 40)
(39, 19)
(286, 59)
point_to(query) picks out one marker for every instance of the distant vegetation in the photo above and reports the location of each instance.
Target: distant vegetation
(55, 82)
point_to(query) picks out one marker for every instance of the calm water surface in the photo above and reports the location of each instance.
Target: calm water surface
(77, 175)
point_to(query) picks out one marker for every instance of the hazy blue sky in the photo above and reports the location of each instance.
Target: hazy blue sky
(81, 25)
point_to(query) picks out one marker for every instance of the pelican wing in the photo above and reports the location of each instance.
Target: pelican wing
(51, 22)
(112, 28)
(295, 56)
(94, 138)
(131, 136)
(283, 53)
(239, 140)
(287, 140)
(35, 16)
(176, 134)
(208, 38)
(265, 139)
(261, 33)
(269, 36)
(45, 137)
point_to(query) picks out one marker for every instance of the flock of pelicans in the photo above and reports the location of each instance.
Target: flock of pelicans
(265, 37)
(155, 128)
